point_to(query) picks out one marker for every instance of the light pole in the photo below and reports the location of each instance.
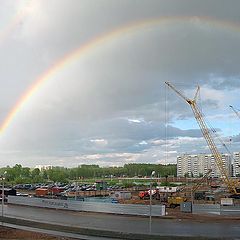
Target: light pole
(2, 196)
(76, 191)
(3, 178)
(192, 196)
(150, 204)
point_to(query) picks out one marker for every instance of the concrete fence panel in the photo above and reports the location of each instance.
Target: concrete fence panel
(127, 209)
(206, 208)
(230, 210)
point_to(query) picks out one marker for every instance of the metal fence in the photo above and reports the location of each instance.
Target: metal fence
(216, 209)
(206, 208)
(126, 209)
(230, 210)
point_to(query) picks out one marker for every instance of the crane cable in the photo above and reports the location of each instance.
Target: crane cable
(213, 130)
(166, 123)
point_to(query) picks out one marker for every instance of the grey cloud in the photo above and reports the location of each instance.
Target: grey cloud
(230, 83)
(235, 139)
(123, 78)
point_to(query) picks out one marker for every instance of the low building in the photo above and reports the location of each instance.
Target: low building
(121, 195)
(167, 189)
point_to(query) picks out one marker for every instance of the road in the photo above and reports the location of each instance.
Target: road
(57, 233)
(129, 224)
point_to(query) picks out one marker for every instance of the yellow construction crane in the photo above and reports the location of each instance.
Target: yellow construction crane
(232, 185)
(174, 201)
(198, 184)
(235, 110)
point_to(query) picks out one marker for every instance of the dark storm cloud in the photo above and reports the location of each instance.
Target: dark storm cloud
(86, 107)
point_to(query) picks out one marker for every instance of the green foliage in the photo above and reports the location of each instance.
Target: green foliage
(168, 184)
(57, 174)
(113, 182)
(19, 174)
(186, 175)
(35, 173)
(128, 184)
(165, 184)
(135, 169)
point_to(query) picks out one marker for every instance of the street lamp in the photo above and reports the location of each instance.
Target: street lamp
(3, 178)
(76, 190)
(150, 204)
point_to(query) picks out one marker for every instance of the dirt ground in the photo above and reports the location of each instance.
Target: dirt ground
(15, 234)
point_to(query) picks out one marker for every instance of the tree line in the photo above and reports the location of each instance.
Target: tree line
(19, 174)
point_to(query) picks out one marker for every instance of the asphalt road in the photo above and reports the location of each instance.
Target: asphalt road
(129, 224)
(57, 233)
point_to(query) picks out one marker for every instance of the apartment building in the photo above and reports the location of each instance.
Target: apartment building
(236, 164)
(198, 165)
(44, 167)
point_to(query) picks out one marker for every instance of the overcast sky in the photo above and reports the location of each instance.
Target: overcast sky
(110, 106)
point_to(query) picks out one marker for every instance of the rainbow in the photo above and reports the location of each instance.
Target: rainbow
(98, 42)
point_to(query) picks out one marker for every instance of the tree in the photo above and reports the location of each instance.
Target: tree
(25, 172)
(35, 172)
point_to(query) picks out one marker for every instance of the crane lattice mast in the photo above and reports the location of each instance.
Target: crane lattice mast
(207, 135)
(237, 112)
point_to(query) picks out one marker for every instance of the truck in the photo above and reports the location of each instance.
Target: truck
(146, 194)
(174, 201)
(41, 192)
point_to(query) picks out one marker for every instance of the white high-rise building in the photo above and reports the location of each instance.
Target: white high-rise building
(198, 165)
(43, 167)
(185, 165)
(236, 164)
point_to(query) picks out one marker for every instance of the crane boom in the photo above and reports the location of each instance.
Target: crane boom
(195, 187)
(207, 135)
(237, 112)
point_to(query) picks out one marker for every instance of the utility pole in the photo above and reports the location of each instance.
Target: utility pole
(2, 196)
(150, 204)
(3, 178)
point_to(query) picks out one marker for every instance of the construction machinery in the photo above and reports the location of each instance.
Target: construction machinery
(145, 195)
(198, 184)
(231, 184)
(180, 196)
(174, 201)
(235, 110)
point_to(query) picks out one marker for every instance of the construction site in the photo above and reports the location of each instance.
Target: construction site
(215, 192)
(191, 203)
(209, 191)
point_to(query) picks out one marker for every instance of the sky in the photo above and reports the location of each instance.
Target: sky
(97, 70)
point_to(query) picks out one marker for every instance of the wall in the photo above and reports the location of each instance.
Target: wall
(126, 209)
(216, 209)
